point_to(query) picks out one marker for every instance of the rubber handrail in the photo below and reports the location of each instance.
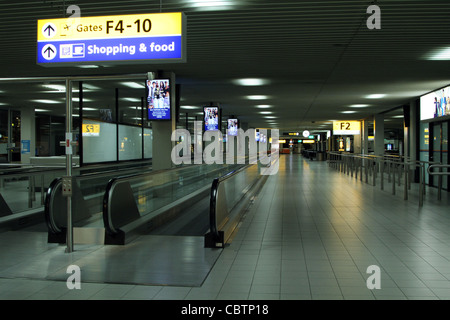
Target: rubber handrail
(48, 212)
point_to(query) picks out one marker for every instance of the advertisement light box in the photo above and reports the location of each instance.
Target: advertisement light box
(158, 99)
(232, 127)
(138, 38)
(435, 104)
(211, 118)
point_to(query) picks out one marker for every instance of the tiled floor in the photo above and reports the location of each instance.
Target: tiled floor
(310, 234)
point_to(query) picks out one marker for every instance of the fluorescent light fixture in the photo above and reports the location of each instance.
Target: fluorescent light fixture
(266, 112)
(134, 85)
(251, 82)
(189, 107)
(376, 96)
(89, 109)
(212, 4)
(348, 112)
(55, 87)
(257, 97)
(46, 101)
(359, 106)
(131, 99)
(400, 116)
(41, 110)
(263, 106)
(88, 66)
(89, 87)
(77, 99)
(270, 117)
(439, 54)
(135, 107)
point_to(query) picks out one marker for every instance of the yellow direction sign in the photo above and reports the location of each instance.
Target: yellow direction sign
(155, 37)
(346, 127)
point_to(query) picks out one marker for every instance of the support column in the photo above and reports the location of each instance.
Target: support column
(28, 133)
(162, 144)
(413, 130)
(379, 134)
(365, 136)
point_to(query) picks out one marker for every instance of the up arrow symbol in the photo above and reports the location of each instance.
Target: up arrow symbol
(50, 51)
(49, 29)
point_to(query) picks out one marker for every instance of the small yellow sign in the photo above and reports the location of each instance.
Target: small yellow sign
(91, 130)
(346, 127)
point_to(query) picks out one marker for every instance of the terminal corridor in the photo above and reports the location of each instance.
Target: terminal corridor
(310, 233)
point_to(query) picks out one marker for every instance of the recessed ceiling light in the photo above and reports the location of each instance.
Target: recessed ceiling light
(257, 97)
(251, 82)
(376, 96)
(358, 105)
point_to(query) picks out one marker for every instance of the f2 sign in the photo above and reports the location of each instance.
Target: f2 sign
(346, 127)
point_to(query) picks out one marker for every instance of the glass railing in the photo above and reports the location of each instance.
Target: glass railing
(134, 200)
(397, 170)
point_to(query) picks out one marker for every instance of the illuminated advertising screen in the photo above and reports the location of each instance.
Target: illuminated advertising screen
(435, 104)
(158, 99)
(211, 118)
(233, 127)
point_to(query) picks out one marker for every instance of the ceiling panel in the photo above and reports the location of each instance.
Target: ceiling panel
(319, 56)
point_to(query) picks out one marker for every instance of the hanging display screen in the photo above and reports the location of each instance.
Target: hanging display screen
(211, 118)
(233, 127)
(435, 104)
(158, 99)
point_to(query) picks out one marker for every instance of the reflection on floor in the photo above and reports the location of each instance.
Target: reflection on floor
(311, 233)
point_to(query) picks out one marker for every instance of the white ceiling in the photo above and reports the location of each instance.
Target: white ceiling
(318, 56)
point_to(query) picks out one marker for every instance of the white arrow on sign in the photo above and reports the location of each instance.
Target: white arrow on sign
(49, 52)
(49, 30)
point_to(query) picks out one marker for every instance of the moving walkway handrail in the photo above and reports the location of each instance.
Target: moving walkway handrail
(110, 228)
(213, 200)
(55, 185)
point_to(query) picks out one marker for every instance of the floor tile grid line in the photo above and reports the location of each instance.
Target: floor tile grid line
(405, 230)
(252, 217)
(396, 223)
(334, 272)
(414, 203)
(274, 194)
(345, 246)
(386, 245)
